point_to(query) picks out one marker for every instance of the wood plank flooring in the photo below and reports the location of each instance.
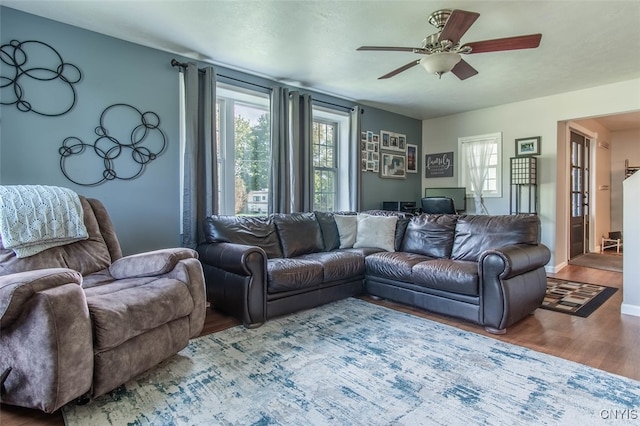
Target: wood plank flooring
(606, 339)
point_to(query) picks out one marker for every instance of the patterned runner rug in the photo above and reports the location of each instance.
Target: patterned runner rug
(356, 363)
(575, 298)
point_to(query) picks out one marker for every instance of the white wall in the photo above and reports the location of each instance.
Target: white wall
(630, 265)
(535, 117)
(626, 145)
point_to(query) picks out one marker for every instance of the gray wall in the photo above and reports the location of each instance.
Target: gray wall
(375, 189)
(145, 210)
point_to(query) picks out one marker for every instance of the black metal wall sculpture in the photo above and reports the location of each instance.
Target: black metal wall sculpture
(43, 65)
(147, 142)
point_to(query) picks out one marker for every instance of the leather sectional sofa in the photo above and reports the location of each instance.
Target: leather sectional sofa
(484, 269)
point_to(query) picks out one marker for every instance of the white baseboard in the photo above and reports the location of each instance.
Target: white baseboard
(627, 309)
(555, 269)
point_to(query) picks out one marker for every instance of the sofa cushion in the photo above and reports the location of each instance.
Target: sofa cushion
(257, 231)
(347, 228)
(293, 274)
(430, 234)
(455, 276)
(133, 307)
(329, 230)
(393, 265)
(475, 233)
(376, 231)
(299, 233)
(338, 265)
(401, 225)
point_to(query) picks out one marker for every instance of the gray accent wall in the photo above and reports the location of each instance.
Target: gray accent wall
(376, 190)
(145, 210)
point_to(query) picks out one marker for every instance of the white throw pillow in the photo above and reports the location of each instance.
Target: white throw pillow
(347, 228)
(376, 231)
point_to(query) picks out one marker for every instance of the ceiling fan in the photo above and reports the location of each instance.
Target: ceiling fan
(442, 50)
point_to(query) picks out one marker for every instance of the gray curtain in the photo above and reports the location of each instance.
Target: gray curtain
(291, 181)
(355, 175)
(200, 192)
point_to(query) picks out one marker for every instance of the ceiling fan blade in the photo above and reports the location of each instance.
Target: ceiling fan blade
(510, 43)
(463, 70)
(457, 24)
(392, 49)
(399, 70)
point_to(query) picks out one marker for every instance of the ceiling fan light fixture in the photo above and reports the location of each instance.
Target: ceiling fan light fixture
(440, 62)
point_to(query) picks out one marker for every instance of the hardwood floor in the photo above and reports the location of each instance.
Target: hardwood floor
(606, 339)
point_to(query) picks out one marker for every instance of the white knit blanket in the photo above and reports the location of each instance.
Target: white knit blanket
(34, 218)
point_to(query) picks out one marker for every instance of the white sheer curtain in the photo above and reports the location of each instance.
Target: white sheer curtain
(478, 158)
(200, 186)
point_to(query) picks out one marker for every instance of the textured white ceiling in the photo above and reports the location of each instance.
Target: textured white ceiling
(584, 44)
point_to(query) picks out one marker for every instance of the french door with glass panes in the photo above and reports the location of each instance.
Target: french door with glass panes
(579, 219)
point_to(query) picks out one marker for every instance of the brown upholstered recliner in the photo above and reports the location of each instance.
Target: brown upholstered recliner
(80, 319)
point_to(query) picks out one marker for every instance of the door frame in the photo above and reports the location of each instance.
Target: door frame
(593, 138)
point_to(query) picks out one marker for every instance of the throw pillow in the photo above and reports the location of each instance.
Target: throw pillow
(347, 227)
(376, 231)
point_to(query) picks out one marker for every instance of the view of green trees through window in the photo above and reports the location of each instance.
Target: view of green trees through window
(244, 153)
(252, 150)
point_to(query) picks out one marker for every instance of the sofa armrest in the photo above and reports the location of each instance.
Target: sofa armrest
(509, 261)
(45, 338)
(236, 280)
(513, 283)
(16, 289)
(150, 264)
(238, 259)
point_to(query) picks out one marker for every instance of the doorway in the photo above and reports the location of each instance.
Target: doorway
(579, 164)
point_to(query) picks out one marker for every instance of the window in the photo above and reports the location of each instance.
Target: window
(325, 168)
(330, 158)
(244, 144)
(473, 146)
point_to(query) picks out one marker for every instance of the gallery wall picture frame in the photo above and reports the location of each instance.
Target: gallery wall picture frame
(528, 146)
(412, 158)
(391, 141)
(393, 166)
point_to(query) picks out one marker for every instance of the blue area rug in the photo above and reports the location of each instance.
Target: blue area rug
(357, 363)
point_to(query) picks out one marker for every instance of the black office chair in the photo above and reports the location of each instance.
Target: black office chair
(438, 205)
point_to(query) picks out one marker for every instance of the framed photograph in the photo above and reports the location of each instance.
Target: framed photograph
(370, 146)
(363, 165)
(371, 166)
(385, 139)
(363, 136)
(376, 167)
(369, 136)
(393, 166)
(402, 143)
(412, 158)
(528, 146)
(376, 138)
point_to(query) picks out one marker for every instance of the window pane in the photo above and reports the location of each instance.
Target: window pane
(244, 143)
(324, 164)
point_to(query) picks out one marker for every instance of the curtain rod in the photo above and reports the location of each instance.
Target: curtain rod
(175, 63)
(332, 104)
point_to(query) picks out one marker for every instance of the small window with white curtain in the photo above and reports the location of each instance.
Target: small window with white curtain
(480, 165)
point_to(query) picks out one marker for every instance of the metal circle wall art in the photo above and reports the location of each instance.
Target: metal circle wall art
(109, 157)
(38, 80)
